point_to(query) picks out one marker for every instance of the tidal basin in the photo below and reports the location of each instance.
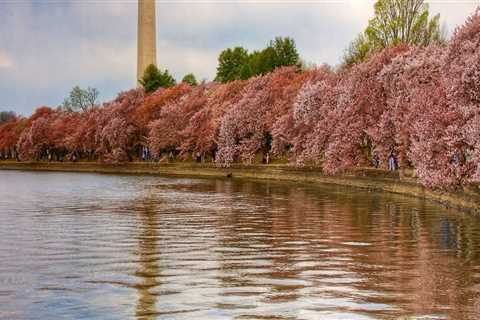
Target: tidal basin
(95, 246)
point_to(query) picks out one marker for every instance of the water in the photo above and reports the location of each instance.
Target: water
(87, 246)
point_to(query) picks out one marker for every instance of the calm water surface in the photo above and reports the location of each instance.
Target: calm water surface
(86, 246)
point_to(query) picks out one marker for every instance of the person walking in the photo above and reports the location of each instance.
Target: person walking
(391, 162)
(376, 160)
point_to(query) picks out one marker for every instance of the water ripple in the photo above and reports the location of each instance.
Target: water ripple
(89, 246)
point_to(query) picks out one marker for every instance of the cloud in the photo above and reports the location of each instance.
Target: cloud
(453, 13)
(5, 61)
(61, 44)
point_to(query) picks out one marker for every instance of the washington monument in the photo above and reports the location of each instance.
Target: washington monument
(147, 46)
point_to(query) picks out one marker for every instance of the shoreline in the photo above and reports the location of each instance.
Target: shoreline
(365, 178)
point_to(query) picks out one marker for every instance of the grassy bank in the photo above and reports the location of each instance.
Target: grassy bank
(366, 178)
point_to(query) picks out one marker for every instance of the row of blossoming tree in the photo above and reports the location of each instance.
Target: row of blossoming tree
(423, 104)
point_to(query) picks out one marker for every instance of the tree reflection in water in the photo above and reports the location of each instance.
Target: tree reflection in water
(274, 250)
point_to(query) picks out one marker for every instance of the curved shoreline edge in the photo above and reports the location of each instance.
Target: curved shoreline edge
(364, 178)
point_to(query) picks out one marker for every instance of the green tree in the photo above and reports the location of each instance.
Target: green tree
(80, 99)
(357, 51)
(395, 22)
(190, 79)
(279, 53)
(153, 78)
(237, 63)
(263, 62)
(286, 53)
(231, 64)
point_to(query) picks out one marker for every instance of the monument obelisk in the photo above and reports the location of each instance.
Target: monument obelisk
(147, 45)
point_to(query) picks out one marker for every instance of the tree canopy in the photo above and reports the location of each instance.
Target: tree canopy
(80, 99)
(230, 64)
(238, 64)
(395, 22)
(285, 50)
(153, 78)
(190, 79)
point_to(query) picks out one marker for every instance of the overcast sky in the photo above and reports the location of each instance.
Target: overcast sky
(48, 46)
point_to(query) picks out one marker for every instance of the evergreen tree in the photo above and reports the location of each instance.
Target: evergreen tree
(153, 78)
(286, 53)
(231, 64)
(190, 79)
(237, 63)
(263, 62)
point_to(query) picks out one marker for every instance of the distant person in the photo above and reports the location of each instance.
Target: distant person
(265, 158)
(376, 160)
(392, 162)
(455, 159)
